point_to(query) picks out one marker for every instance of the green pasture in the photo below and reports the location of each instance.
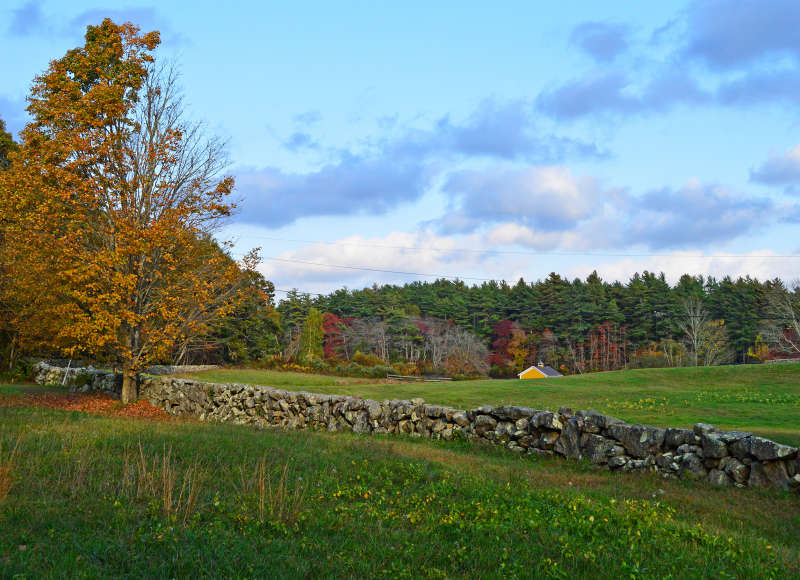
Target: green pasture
(96, 496)
(760, 398)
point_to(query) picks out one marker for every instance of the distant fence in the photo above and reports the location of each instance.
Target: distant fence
(783, 360)
(413, 378)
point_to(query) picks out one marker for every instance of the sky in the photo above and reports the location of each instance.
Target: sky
(390, 142)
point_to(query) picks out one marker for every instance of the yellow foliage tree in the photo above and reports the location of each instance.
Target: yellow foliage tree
(108, 207)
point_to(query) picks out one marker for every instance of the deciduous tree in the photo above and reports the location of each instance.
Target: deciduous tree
(110, 202)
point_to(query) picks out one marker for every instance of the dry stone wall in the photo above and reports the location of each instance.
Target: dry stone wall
(725, 458)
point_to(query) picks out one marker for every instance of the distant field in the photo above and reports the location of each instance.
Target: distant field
(96, 497)
(284, 380)
(760, 398)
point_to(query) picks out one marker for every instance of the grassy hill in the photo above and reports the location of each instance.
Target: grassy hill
(760, 398)
(104, 496)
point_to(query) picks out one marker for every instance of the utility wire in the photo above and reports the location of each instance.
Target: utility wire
(379, 270)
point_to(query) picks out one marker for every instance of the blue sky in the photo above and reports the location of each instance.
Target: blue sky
(480, 141)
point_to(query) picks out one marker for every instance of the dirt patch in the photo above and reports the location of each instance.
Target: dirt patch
(95, 403)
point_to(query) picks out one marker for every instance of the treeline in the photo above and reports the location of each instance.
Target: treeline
(577, 326)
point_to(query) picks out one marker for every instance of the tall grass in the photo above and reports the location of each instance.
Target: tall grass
(157, 476)
(279, 500)
(7, 465)
(280, 495)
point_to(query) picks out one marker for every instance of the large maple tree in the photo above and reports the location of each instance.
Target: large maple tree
(108, 207)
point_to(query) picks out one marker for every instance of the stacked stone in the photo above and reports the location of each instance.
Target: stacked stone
(730, 458)
(79, 380)
(727, 458)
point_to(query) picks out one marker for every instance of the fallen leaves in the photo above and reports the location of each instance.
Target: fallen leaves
(94, 403)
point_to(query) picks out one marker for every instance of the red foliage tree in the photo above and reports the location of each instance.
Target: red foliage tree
(333, 343)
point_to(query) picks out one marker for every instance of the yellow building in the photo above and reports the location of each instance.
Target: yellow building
(540, 371)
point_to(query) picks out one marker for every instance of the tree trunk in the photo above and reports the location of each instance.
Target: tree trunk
(129, 393)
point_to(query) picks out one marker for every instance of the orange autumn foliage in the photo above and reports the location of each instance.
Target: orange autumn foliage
(108, 207)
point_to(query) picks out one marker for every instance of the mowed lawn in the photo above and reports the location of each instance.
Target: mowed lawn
(96, 496)
(760, 398)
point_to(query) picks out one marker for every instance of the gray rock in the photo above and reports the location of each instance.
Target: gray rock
(713, 446)
(664, 460)
(692, 466)
(525, 441)
(703, 428)
(674, 438)
(484, 424)
(719, 478)
(636, 464)
(460, 418)
(546, 420)
(568, 444)
(733, 436)
(504, 428)
(639, 440)
(510, 413)
(374, 410)
(434, 411)
(768, 474)
(594, 420)
(597, 448)
(617, 462)
(547, 440)
(766, 450)
(735, 469)
(522, 424)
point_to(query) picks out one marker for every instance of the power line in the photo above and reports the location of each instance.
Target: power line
(530, 253)
(365, 269)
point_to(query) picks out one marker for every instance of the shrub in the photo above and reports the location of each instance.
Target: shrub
(367, 360)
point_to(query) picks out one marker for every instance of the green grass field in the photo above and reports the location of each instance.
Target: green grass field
(98, 496)
(760, 398)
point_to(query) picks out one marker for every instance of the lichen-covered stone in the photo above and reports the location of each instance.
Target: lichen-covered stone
(737, 470)
(766, 450)
(719, 478)
(713, 446)
(547, 440)
(484, 423)
(460, 418)
(597, 448)
(674, 438)
(618, 461)
(568, 444)
(639, 440)
(512, 413)
(703, 429)
(692, 466)
(769, 474)
(546, 420)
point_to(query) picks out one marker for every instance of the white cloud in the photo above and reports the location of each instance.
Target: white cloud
(545, 197)
(780, 168)
(421, 252)
(761, 264)
(474, 258)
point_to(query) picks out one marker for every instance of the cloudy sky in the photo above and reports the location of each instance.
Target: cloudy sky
(392, 142)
